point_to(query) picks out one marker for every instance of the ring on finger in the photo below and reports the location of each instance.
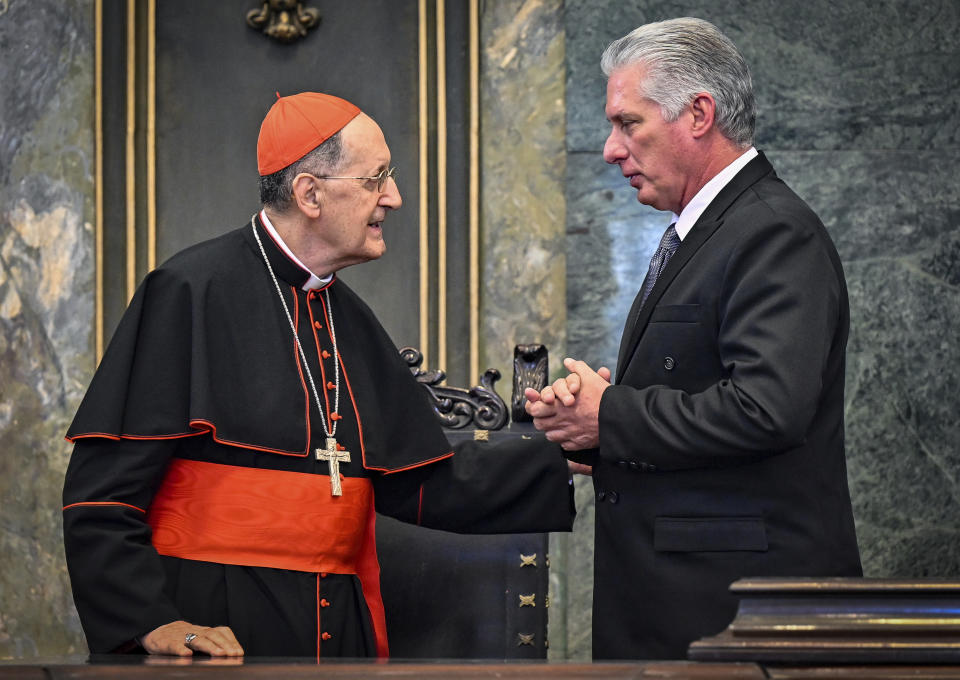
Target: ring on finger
(188, 638)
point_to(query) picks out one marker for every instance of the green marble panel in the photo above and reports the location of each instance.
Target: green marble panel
(857, 111)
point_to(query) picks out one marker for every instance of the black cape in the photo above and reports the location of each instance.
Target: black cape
(203, 367)
(206, 347)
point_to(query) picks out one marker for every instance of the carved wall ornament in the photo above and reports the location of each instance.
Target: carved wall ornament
(458, 407)
(283, 20)
(529, 370)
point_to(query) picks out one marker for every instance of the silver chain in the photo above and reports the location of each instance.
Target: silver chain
(328, 317)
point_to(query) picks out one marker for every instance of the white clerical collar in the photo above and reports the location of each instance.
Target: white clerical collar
(694, 209)
(314, 281)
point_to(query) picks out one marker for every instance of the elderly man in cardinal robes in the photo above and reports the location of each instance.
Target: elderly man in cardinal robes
(250, 416)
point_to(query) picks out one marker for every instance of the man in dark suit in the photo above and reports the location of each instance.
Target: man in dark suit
(718, 451)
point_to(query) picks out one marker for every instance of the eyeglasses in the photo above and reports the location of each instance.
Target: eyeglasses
(380, 177)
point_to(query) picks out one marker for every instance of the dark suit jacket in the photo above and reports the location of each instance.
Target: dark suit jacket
(721, 444)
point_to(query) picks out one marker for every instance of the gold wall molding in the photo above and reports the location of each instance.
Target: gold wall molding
(151, 141)
(443, 230)
(98, 179)
(124, 93)
(424, 186)
(130, 158)
(474, 190)
(441, 141)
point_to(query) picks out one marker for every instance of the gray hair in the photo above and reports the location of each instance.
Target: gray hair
(683, 57)
(276, 190)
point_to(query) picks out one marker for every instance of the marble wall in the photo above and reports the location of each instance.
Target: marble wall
(522, 170)
(858, 111)
(858, 108)
(523, 216)
(46, 305)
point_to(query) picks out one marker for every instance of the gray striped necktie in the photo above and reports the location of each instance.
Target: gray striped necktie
(668, 246)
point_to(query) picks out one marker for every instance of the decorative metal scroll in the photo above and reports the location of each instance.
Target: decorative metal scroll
(283, 20)
(529, 370)
(458, 407)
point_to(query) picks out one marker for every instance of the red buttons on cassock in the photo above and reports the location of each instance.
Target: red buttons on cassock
(335, 416)
(325, 636)
(325, 354)
(324, 602)
(331, 386)
(317, 324)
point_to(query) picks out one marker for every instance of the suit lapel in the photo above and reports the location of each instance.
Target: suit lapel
(631, 335)
(630, 328)
(709, 222)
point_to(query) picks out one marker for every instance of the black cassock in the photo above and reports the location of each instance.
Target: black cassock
(194, 492)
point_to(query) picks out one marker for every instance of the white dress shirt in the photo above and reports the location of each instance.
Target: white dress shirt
(694, 209)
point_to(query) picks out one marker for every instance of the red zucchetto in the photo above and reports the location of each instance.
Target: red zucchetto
(296, 125)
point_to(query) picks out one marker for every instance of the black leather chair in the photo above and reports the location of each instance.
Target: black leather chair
(453, 596)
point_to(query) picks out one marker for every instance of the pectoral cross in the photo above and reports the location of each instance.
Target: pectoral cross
(333, 458)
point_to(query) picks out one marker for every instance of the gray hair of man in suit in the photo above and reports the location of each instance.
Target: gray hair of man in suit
(683, 57)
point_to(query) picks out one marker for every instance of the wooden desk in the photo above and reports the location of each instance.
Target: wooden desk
(168, 668)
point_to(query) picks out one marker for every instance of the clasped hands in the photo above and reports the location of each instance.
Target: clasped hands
(568, 412)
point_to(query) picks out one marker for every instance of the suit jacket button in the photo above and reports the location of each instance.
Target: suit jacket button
(669, 363)
(601, 495)
(634, 465)
(613, 497)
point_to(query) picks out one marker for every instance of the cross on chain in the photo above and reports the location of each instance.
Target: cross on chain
(333, 458)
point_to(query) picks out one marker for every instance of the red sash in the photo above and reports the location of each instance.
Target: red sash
(270, 518)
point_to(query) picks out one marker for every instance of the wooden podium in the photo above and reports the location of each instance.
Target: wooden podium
(454, 596)
(841, 621)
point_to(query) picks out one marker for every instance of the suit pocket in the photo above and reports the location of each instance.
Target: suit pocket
(675, 314)
(706, 534)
